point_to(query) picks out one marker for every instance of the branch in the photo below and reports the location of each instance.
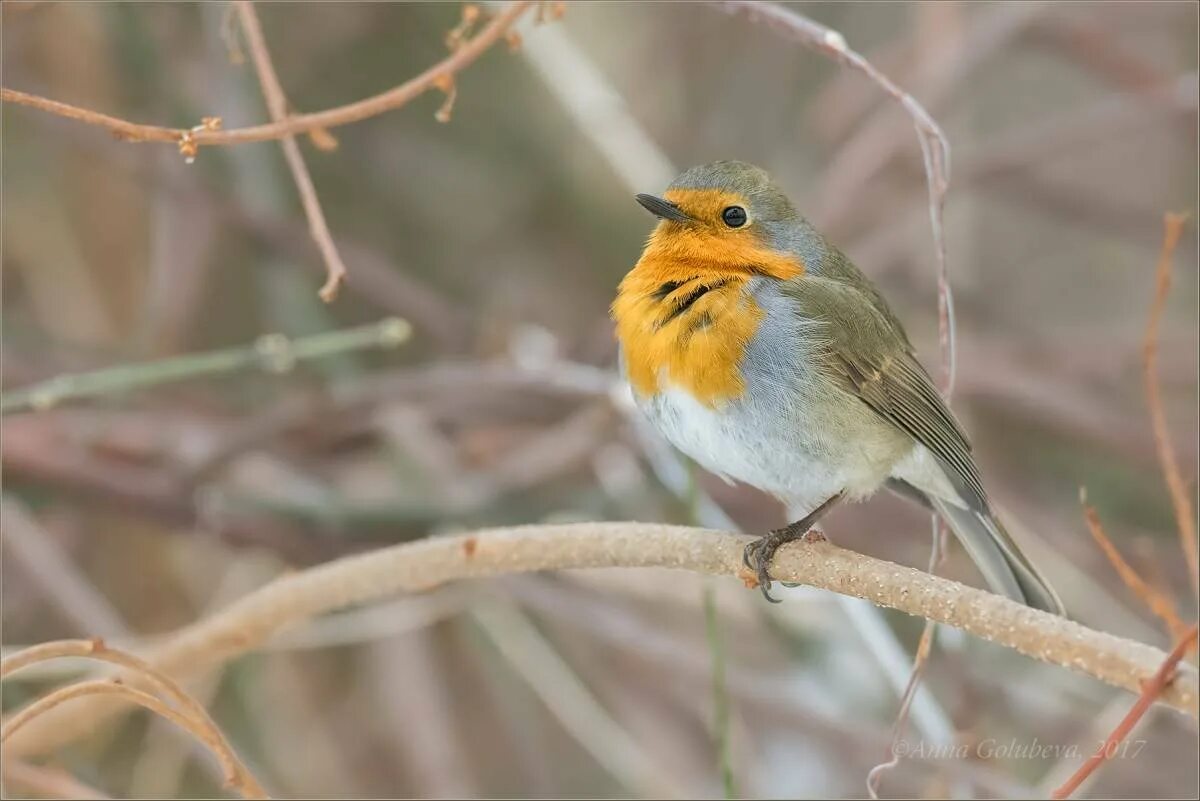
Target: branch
(422, 565)
(390, 100)
(1180, 497)
(271, 352)
(277, 107)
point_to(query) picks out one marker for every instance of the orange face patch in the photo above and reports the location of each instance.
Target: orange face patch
(682, 313)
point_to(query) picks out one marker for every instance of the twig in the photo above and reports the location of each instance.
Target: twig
(935, 147)
(1155, 599)
(183, 710)
(421, 565)
(272, 352)
(920, 660)
(392, 99)
(1151, 690)
(1180, 496)
(277, 107)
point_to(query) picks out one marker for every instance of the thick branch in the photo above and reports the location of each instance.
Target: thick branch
(420, 566)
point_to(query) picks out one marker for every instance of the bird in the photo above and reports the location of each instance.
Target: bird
(759, 350)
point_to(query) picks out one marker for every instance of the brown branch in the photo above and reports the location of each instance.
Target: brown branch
(1152, 689)
(184, 711)
(277, 107)
(1180, 496)
(1156, 600)
(419, 566)
(360, 110)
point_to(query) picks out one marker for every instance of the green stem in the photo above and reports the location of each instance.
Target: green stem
(716, 647)
(273, 353)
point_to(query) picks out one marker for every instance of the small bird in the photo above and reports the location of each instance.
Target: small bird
(759, 350)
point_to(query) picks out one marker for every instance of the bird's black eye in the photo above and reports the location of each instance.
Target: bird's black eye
(734, 216)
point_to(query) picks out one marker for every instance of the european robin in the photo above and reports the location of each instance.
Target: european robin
(759, 350)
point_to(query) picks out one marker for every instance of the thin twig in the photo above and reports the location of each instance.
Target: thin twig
(271, 352)
(277, 107)
(935, 147)
(421, 565)
(390, 100)
(183, 710)
(1180, 496)
(1155, 599)
(1151, 690)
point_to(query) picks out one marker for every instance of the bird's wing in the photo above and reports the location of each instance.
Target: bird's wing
(867, 353)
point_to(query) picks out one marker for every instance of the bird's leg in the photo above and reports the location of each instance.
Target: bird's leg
(758, 554)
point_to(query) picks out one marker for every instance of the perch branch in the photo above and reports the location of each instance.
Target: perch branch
(422, 565)
(1180, 497)
(271, 352)
(390, 100)
(277, 107)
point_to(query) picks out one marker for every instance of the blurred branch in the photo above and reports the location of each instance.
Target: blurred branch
(422, 565)
(45, 782)
(392, 99)
(175, 704)
(68, 587)
(569, 700)
(271, 352)
(1180, 495)
(935, 147)
(277, 107)
(1151, 690)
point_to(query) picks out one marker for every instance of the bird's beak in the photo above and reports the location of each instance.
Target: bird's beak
(663, 209)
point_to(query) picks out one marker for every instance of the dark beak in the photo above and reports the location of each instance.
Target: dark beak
(663, 209)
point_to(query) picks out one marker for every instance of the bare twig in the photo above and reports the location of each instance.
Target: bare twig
(421, 565)
(277, 107)
(1155, 599)
(183, 710)
(1180, 495)
(392, 99)
(1151, 690)
(935, 147)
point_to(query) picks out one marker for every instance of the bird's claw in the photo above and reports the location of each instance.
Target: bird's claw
(757, 557)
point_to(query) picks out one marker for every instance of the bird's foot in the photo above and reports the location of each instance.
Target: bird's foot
(758, 554)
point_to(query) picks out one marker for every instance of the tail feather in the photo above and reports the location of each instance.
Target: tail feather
(1002, 564)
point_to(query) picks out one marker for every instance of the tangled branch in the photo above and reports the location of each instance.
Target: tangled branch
(422, 565)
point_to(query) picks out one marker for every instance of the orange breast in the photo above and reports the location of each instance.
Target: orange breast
(688, 334)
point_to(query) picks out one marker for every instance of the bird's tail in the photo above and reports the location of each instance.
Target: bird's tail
(1002, 564)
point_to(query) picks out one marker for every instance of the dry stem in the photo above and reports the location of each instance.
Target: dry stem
(1180, 497)
(419, 566)
(1155, 599)
(184, 711)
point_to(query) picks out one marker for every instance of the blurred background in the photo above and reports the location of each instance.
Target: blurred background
(500, 236)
